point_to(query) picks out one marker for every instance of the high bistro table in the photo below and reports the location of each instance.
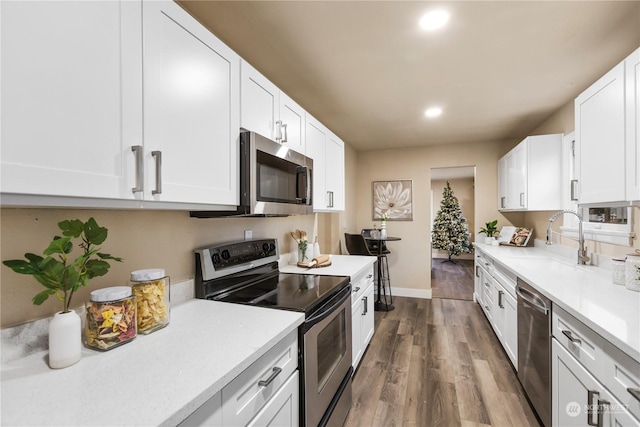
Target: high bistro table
(381, 305)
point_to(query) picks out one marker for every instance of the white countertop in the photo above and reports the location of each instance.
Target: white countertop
(341, 265)
(157, 379)
(586, 292)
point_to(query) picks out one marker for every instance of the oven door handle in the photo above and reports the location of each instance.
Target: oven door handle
(325, 312)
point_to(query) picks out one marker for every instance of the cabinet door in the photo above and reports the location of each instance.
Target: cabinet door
(191, 109)
(600, 139)
(259, 103)
(316, 149)
(335, 173)
(283, 408)
(510, 337)
(292, 118)
(632, 137)
(71, 97)
(367, 317)
(356, 330)
(477, 282)
(498, 309)
(502, 183)
(517, 177)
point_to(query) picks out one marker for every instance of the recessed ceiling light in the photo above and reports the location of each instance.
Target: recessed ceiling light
(434, 20)
(433, 112)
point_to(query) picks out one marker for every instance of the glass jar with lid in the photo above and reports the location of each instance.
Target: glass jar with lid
(111, 318)
(151, 289)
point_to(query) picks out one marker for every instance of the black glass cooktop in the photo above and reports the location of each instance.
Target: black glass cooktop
(296, 292)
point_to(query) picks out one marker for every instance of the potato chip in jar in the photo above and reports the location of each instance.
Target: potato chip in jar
(151, 289)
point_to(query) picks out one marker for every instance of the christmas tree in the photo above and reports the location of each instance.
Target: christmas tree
(450, 229)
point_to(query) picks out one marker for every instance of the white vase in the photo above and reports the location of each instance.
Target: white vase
(383, 230)
(65, 339)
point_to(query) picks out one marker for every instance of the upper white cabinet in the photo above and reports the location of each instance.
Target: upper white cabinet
(132, 101)
(71, 97)
(606, 119)
(530, 175)
(327, 152)
(191, 110)
(270, 112)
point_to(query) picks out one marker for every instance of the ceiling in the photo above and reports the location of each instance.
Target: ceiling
(368, 72)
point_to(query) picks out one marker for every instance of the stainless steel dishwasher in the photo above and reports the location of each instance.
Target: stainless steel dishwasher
(534, 348)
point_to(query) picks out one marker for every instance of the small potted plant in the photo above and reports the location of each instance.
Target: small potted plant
(490, 230)
(62, 276)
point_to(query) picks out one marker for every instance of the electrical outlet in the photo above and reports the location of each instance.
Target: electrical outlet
(248, 234)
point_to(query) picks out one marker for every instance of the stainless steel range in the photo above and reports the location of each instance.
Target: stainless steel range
(247, 273)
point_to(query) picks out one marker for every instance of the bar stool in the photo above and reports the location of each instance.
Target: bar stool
(357, 245)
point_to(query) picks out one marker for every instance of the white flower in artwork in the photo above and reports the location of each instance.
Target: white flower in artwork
(392, 199)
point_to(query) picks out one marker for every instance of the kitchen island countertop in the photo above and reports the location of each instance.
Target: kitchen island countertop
(157, 379)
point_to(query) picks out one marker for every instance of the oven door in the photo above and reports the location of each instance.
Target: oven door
(327, 356)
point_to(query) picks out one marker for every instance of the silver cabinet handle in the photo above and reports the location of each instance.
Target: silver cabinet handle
(330, 194)
(487, 307)
(158, 156)
(284, 127)
(574, 190)
(137, 151)
(590, 407)
(500, 294)
(601, 405)
(502, 201)
(355, 291)
(369, 276)
(274, 374)
(278, 130)
(366, 305)
(571, 337)
(522, 199)
(635, 392)
(477, 271)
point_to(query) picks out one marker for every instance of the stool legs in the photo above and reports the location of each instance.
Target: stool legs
(384, 281)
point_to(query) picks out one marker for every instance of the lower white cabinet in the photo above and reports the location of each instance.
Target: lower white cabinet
(589, 374)
(362, 317)
(495, 292)
(265, 394)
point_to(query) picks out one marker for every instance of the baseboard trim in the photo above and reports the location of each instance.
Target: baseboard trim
(412, 293)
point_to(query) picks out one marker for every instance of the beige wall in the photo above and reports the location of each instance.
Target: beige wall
(145, 239)
(463, 189)
(409, 260)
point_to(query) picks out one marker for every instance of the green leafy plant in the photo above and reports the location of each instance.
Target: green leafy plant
(60, 275)
(490, 229)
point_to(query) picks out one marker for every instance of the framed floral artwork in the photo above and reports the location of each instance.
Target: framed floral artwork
(393, 199)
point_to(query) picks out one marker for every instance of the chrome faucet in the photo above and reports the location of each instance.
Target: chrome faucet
(583, 259)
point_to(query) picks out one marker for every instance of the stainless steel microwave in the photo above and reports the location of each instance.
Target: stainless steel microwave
(274, 180)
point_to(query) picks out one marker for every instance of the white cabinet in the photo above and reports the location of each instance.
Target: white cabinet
(362, 313)
(267, 110)
(327, 152)
(606, 129)
(71, 97)
(632, 119)
(265, 394)
(495, 292)
(191, 110)
(89, 115)
(530, 175)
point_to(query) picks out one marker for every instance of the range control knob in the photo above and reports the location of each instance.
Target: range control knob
(265, 247)
(272, 247)
(215, 258)
(226, 255)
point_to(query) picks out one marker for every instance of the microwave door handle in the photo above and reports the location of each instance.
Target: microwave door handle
(303, 184)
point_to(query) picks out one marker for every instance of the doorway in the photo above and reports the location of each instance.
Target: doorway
(453, 280)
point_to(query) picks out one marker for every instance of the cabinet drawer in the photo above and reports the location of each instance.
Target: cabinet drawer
(359, 283)
(577, 339)
(622, 377)
(244, 397)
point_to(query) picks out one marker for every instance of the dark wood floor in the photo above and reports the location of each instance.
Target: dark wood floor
(452, 280)
(436, 363)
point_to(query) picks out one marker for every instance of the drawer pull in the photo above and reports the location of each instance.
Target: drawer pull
(274, 374)
(355, 290)
(365, 305)
(590, 407)
(601, 405)
(570, 337)
(635, 392)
